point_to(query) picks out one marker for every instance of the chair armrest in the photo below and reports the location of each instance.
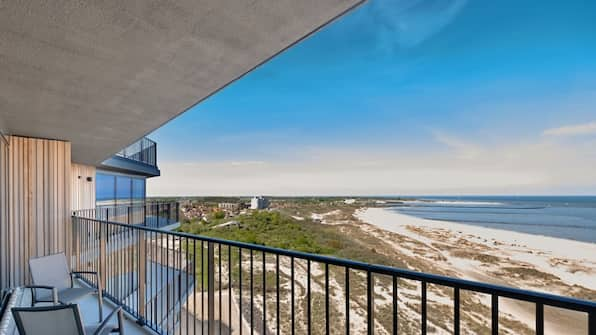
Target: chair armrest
(84, 272)
(99, 287)
(117, 312)
(43, 287)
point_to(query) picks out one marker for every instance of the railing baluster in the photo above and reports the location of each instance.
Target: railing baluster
(230, 289)
(292, 294)
(277, 294)
(252, 326)
(326, 298)
(369, 303)
(423, 308)
(164, 282)
(194, 289)
(167, 283)
(130, 259)
(186, 267)
(395, 311)
(179, 268)
(202, 287)
(308, 302)
(219, 286)
(142, 275)
(539, 319)
(347, 300)
(264, 295)
(241, 317)
(456, 321)
(102, 254)
(211, 288)
(495, 314)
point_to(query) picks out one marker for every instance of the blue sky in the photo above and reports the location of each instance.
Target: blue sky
(474, 89)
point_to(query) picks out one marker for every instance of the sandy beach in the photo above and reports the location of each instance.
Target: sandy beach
(503, 257)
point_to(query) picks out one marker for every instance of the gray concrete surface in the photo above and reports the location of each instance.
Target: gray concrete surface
(102, 74)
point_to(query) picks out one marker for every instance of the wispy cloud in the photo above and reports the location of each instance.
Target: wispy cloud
(572, 130)
(247, 163)
(409, 23)
(462, 148)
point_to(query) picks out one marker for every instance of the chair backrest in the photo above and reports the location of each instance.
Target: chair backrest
(48, 320)
(50, 270)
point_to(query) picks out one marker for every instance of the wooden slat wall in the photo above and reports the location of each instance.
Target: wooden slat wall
(83, 191)
(38, 202)
(4, 231)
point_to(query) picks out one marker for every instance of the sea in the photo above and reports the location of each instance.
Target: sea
(568, 217)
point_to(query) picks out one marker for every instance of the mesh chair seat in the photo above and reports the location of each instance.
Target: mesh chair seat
(62, 320)
(67, 296)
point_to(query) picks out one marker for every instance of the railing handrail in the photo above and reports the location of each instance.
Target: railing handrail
(141, 204)
(152, 213)
(479, 287)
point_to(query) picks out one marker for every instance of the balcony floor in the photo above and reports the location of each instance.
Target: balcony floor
(88, 308)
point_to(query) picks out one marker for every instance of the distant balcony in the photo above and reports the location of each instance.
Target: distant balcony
(177, 283)
(139, 158)
(143, 151)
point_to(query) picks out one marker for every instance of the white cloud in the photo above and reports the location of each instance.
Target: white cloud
(540, 167)
(573, 130)
(247, 163)
(409, 23)
(462, 148)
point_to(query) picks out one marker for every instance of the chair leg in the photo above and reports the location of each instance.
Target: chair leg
(121, 322)
(100, 305)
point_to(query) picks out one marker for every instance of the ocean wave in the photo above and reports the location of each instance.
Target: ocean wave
(466, 210)
(481, 223)
(454, 202)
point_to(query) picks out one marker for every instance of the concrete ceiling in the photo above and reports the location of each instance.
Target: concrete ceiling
(102, 74)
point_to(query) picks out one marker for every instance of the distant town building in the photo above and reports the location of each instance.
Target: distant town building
(259, 203)
(230, 206)
(350, 201)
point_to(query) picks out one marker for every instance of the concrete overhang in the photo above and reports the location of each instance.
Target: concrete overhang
(102, 74)
(124, 165)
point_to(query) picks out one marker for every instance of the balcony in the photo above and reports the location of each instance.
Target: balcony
(139, 157)
(143, 151)
(177, 283)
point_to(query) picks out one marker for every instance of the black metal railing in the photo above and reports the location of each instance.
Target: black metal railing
(178, 283)
(143, 150)
(149, 214)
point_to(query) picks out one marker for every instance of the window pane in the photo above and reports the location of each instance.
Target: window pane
(105, 187)
(123, 190)
(138, 190)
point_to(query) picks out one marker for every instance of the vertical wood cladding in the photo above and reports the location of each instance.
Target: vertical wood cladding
(35, 198)
(83, 189)
(4, 231)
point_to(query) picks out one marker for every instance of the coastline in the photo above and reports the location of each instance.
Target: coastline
(552, 255)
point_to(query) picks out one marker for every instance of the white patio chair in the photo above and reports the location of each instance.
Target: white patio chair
(52, 271)
(62, 320)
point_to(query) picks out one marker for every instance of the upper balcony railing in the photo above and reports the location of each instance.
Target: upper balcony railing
(143, 150)
(149, 214)
(177, 283)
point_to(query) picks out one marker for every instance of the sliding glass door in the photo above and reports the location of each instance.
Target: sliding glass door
(118, 189)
